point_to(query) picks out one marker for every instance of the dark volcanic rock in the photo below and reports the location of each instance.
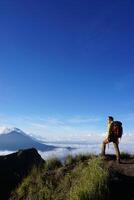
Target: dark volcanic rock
(14, 167)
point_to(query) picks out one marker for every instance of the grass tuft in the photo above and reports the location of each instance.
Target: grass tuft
(70, 159)
(92, 182)
(53, 163)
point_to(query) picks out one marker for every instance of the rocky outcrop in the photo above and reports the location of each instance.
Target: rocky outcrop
(14, 167)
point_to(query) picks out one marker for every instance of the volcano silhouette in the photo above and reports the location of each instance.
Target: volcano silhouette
(14, 139)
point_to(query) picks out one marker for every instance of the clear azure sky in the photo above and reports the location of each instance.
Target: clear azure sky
(66, 63)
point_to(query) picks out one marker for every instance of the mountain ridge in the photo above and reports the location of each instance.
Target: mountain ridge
(13, 139)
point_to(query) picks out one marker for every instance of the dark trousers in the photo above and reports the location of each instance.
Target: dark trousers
(116, 147)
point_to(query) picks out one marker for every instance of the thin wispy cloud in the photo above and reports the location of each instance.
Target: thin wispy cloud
(79, 119)
(2, 129)
(67, 128)
(59, 132)
(76, 127)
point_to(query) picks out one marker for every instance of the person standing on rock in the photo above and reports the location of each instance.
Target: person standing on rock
(115, 132)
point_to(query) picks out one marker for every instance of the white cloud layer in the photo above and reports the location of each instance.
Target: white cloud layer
(87, 145)
(85, 133)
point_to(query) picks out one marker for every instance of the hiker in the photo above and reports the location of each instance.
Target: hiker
(114, 133)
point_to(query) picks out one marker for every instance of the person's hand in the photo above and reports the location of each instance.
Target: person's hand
(106, 140)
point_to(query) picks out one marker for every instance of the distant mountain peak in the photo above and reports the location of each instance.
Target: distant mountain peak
(6, 130)
(16, 130)
(12, 139)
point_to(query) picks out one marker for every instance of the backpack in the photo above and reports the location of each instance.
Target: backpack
(117, 129)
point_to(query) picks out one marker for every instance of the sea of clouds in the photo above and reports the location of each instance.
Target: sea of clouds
(90, 144)
(83, 147)
(79, 132)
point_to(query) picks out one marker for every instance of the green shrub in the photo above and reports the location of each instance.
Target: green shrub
(52, 164)
(69, 160)
(78, 158)
(84, 157)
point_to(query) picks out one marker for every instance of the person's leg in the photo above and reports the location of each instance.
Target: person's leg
(117, 151)
(103, 149)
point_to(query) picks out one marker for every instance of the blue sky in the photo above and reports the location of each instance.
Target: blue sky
(66, 62)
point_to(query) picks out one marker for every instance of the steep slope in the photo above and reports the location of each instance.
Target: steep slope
(14, 167)
(82, 177)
